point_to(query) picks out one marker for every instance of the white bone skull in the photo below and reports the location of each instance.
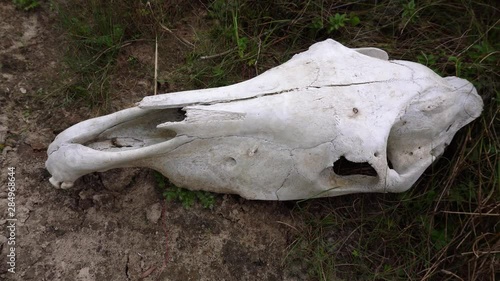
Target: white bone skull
(330, 121)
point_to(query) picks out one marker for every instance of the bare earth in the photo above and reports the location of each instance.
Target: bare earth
(113, 225)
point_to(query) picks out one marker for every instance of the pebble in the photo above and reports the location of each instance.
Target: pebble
(85, 275)
(154, 213)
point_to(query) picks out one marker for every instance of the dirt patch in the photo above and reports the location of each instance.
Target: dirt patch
(113, 225)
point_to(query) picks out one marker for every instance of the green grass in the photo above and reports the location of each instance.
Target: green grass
(26, 5)
(187, 198)
(94, 36)
(446, 227)
(96, 32)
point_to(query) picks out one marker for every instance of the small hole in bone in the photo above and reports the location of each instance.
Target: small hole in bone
(344, 167)
(230, 161)
(376, 154)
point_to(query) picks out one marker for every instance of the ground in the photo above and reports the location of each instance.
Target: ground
(113, 225)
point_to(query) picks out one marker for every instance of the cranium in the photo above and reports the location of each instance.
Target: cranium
(330, 121)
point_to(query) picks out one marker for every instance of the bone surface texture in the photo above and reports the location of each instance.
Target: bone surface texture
(330, 121)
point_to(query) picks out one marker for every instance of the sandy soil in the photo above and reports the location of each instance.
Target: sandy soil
(113, 225)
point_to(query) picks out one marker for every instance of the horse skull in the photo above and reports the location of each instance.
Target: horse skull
(330, 121)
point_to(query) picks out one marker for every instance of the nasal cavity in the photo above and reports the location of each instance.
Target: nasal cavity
(344, 167)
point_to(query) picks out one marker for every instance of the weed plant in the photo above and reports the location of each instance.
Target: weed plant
(186, 197)
(447, 226)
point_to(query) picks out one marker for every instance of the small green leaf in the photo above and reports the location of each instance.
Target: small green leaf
(353, 21)
(355, 253)
(317, 24)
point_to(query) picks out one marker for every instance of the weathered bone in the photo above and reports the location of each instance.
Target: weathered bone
(330, 121)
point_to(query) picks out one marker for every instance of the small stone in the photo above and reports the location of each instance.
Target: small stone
(154, 213)
(85, 275)
(7, 77)
(23, 90)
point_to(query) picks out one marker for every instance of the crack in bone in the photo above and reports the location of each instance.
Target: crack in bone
(284, 181)
(220, 101)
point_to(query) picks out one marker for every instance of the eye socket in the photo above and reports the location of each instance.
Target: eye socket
(344, 167)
